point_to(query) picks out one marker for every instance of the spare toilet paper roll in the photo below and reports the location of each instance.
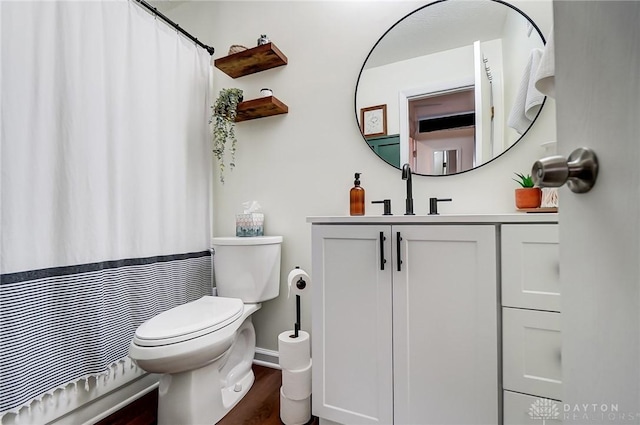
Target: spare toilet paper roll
(294, 412)
(294, 353)
(296, 384)
(299, 282)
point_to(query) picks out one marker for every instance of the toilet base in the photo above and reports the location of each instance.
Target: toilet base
(207, 394)
(195, 405)
(231, 397)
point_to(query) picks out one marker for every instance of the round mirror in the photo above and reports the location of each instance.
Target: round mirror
(446, 90)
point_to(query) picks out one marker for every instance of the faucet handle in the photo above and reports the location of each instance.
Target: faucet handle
(387, 206)
(433, 204)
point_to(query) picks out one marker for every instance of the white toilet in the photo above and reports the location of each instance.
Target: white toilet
(205, 348)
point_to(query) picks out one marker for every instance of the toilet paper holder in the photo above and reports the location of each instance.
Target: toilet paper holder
(300, 284)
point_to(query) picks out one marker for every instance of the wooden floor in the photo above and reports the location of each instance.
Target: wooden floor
(261, 405)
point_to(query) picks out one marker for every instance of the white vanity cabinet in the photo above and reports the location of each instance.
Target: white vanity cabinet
(352, 335)
(405, 323)
(531, 331)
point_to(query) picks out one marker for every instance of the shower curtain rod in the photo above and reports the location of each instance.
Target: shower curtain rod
(155, 11)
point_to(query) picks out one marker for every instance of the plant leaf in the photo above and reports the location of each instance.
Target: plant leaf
(224, 113)
(525, 181)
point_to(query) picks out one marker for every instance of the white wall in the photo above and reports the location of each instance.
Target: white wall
(302, 164)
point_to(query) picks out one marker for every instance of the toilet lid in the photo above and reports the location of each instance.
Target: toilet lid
(190, 320)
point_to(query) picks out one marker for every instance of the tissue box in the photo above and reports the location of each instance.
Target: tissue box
(251, 224)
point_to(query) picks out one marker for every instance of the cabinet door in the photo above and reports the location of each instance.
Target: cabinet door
(445, 325)
(523, 409)
(531, 266)
(352, 341)
(532, 344)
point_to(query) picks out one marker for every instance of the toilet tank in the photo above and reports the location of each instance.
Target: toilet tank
(247, 268)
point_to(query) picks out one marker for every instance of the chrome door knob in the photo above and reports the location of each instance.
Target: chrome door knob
(579, 171)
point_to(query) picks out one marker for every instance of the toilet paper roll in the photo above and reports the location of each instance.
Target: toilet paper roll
(294, 353)
(299, 282)
(296, 384)
(294, 412)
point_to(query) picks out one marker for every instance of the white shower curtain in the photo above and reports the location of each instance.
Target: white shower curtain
(105, 185)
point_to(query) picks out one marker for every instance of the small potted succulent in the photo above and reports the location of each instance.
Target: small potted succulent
(224, 119)
(527, 196)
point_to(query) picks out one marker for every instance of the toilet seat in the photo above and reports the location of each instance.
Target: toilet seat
(191, 320)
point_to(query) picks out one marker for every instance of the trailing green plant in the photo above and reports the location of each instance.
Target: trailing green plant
(224, 120)
(524, 181)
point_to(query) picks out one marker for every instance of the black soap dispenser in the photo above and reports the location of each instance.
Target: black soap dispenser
(356, 195)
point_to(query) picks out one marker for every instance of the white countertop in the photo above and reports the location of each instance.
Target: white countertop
(519, 217)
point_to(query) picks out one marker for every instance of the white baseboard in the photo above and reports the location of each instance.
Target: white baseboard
(267, 358)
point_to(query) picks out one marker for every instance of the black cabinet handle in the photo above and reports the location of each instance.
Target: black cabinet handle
(382, 260)
(398, 240)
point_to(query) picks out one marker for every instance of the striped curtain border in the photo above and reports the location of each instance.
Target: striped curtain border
(10, 278)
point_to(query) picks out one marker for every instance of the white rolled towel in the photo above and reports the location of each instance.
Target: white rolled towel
(528, 99)
(545, 80)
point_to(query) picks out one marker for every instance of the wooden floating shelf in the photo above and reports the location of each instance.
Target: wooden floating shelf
(250, 61)
(260, 108)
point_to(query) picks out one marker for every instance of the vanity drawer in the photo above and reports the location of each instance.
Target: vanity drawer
(522, 409)
(531, 352)
(531, 266)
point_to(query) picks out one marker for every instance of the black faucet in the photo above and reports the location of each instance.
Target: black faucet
(406, 175)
